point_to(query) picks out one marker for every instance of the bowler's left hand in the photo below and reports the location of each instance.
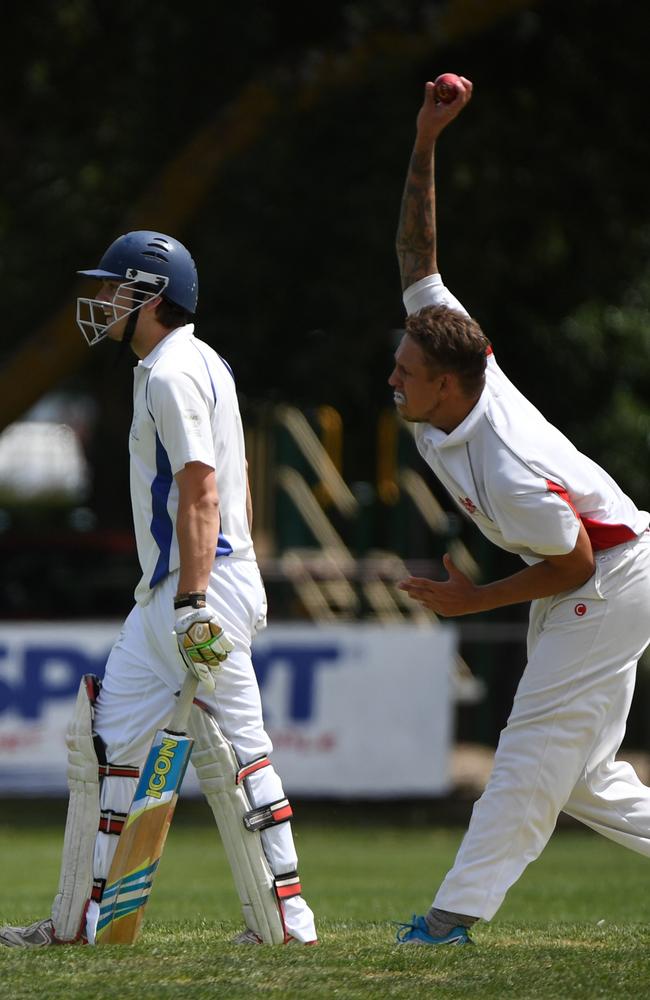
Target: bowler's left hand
(455, 596)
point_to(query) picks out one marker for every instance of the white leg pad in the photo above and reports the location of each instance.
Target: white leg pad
(217, 769)
(118, 783)
(76, 879)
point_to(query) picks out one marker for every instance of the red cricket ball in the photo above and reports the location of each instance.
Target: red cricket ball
(446, 87)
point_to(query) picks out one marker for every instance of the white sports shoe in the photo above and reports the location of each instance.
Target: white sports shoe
(40, 934)
(247, 937)
(250, 937)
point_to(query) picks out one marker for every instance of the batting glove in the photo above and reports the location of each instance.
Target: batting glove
(202, 642)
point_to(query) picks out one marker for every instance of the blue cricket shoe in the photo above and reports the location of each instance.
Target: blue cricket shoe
(417, 932)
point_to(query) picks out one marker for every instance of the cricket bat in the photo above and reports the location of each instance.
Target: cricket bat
(143, 836)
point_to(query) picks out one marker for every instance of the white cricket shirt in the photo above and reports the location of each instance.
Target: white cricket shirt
(185, 409)
(521, 481)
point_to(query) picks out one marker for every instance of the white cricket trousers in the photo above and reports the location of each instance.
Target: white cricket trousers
(557, 751)
(143, 672)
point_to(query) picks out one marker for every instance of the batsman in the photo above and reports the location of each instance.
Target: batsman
(198, 604)
(586, 550)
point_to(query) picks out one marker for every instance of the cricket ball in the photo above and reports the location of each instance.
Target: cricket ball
(446, 87)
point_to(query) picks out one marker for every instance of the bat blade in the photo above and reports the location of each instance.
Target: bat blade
(142, 840)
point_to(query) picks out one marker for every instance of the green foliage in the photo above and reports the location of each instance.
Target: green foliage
(543, 212)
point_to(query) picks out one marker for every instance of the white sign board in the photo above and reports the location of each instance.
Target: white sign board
(353, 710)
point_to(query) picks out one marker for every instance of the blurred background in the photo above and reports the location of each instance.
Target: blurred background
(273, 140)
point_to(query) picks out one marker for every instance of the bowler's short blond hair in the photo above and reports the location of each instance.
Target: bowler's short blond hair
(451, 342)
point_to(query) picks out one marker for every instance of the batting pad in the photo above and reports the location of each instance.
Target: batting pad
(217, 769)
(76, 879)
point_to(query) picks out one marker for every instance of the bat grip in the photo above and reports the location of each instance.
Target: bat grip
(181, 714)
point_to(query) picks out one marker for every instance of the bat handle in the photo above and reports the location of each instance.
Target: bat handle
(181, 715)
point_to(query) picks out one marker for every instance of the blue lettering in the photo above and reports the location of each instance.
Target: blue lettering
(6, 692)
(36, 686)
(303, 662)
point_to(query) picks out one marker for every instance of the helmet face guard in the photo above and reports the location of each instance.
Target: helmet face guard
(145, 264)
(95, 317)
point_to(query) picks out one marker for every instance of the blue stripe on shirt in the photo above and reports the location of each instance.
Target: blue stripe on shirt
(207, 368)
(161, 523)
(227, 366)
(224, 548)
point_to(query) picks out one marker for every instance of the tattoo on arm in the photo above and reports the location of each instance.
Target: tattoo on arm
(416, 232)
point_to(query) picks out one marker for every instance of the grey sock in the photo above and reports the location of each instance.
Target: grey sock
(440, 922)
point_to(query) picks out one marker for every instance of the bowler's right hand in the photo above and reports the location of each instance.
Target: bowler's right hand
(434, 115)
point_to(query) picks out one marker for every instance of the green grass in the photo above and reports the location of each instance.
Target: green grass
(575, 926)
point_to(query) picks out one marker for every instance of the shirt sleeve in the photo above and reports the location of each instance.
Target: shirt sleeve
(182, 415)
(430, 291)
(537, 519)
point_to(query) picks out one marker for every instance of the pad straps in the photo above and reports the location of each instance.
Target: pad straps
(117, 771)
(288, 885)
(265, 816)
(254, 765)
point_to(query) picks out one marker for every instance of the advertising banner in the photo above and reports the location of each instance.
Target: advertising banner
(354, 711)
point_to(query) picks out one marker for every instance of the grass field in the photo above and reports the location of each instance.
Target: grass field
(575, 926)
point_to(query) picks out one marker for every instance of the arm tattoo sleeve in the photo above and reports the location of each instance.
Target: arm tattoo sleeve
(416, 232)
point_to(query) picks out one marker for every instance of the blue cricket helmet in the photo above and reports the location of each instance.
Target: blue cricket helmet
(152, 258)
